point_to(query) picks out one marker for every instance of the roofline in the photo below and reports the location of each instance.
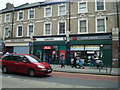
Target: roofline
(39, 4)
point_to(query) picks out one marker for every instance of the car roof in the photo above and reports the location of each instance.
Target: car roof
(17, 54)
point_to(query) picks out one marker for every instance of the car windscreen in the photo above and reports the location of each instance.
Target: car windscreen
(33, 58)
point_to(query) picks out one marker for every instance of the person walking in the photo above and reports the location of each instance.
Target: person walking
(74, 62)
(62, 61)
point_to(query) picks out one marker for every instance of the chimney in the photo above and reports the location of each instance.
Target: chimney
(9, 5)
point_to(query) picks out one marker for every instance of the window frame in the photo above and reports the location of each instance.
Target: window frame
(59, 9)
(59, 27)
(86, 26)
(6, 18)
(29, 14)
(50, 11)
(0, 19)
(50, 28)
(5, 31)
(28, 33)
(17, 31)
(79, 6)
(19, 15)
(97, 24)
(96, 5)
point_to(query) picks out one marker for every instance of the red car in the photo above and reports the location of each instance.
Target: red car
(24, 63)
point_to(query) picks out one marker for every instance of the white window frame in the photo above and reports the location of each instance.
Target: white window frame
(9, 17)
(17, 31)
(0, 19)
(50, 11)
(59, 9)
(28, 29)
(104, 22)
(79, 6)
(50, 28)
(5, 31)
(96, 5)
(29, 13)
(86, 26)
(59, 27)
(18, 15)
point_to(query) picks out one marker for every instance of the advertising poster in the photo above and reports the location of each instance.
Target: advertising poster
(63, 52)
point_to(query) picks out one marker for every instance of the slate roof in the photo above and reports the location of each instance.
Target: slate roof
(27, 5)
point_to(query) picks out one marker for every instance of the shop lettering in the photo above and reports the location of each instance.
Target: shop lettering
(84, 38)
(16, 40)
(48, 39)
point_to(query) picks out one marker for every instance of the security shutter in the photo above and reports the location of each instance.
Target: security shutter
(21, 50)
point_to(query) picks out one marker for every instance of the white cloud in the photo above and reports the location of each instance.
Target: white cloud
(16, 2)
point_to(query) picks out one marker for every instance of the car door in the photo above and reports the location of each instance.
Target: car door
(21, 64)
(8, 62)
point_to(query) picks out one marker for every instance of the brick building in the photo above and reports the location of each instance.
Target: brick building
(45, 29)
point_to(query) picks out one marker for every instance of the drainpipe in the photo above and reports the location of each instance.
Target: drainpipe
(12, 23)
(118, 26)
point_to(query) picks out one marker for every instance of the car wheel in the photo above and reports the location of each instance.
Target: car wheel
(4, 69)
(31, 72)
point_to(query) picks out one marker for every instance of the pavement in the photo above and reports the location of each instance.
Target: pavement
(87, 70)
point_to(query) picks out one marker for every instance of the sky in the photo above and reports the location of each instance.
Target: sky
(16, 2)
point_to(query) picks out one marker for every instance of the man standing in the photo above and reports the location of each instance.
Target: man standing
(62, 61)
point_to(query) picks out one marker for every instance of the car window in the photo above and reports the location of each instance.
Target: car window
(20, 58)
(17, 58)
(7, 57)
(33, 59)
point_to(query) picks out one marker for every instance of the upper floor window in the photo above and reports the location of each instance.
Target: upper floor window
(83, 26)
(47, 30)
(82, 8)
(20, 16)
(101, 25)
(62, 10)
(30, 29)
(48, 12)
(7, 18)
(31, 14)
(6, 32)
(20, 31)
(0, 18)
(100, 5)
(62, 27)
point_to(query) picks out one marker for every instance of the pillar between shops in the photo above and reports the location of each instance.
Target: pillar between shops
(115, 47)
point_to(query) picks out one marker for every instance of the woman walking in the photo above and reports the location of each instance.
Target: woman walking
(62, 61)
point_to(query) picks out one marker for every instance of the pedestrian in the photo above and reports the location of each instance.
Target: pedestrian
(92, 61)
(99, 63)
(80, 64)
(62, 61)
(74, 62)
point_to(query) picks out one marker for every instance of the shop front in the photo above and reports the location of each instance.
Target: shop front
(49, 49)
(20, 46)
(96, 46)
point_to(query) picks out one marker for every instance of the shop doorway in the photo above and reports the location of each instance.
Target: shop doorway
(50, 54)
